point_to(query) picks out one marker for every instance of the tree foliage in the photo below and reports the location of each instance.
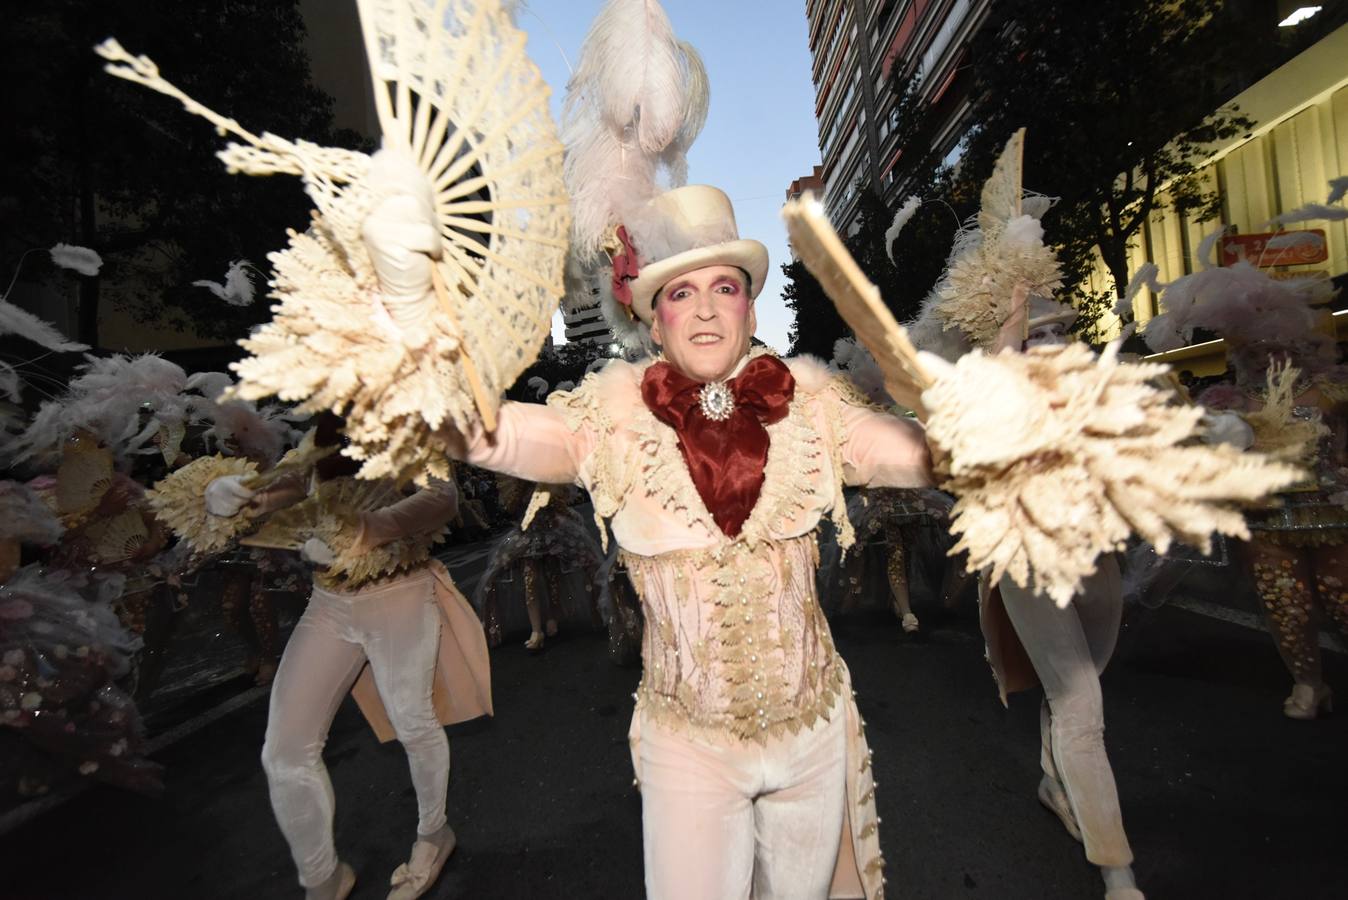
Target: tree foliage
(1119, 101)
(99, 162)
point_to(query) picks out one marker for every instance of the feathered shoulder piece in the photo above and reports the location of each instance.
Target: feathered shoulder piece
(1003, 248)
(455, 92)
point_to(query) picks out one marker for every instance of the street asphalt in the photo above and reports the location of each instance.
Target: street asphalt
(1222, 796)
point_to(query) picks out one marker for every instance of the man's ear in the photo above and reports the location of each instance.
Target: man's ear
(655, 330)
(753, 318)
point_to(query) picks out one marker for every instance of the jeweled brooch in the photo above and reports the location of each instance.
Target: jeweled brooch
(716, 400)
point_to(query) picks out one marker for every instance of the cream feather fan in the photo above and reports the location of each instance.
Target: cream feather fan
(332, 514)
(1055, 455)
(178, 501)
(1005, 249)
(454, 88)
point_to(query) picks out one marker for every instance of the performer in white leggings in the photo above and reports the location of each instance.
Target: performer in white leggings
(394, 623)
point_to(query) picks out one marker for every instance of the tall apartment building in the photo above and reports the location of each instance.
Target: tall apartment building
(856, 46)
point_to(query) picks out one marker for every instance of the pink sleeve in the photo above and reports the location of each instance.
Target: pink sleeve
(425, 510)
(531, 441)
(883, 450)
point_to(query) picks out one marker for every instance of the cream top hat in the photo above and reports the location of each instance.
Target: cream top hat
(686, 229)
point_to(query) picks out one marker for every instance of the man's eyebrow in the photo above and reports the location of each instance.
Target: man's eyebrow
(674, 286)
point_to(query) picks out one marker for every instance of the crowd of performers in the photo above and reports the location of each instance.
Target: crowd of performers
(116, 520)
(737, 499)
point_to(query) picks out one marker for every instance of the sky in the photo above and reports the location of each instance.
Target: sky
(761, 132)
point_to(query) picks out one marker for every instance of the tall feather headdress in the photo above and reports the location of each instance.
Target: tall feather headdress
(1001, 248)
(455, 91)
(634, 105)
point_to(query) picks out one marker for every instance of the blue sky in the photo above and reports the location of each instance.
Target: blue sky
(760, 133)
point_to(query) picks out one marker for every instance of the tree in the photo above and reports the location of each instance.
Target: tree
(98, 162)
(1119, 100)
(817, 324)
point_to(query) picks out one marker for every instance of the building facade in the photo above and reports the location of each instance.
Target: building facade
(857, 48)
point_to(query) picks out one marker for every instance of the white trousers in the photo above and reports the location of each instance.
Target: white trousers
(1069, 649)
(734, 820)
(396, 627)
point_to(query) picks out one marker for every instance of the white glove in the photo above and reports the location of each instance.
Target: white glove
(317, 552)
(403, 238)
(1227, 428)
(226, 496)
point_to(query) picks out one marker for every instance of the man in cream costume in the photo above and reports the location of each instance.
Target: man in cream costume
(715, 464)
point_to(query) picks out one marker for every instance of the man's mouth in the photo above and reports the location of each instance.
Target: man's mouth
(705, 338)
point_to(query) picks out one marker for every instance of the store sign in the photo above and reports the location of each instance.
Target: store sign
(1276, 248)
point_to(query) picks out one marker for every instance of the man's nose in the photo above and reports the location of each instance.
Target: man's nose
(706, 307)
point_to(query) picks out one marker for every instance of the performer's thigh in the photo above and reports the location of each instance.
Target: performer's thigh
(317, 669)
(1055, 642)
(1099, 607)
(799, 825)
(697, 819)
(400, 629)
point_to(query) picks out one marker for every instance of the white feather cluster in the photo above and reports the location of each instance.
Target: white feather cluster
(986, 266)
(106, 400)
(238, 287)
(1240, 303)
(854, 360)
(1057, 456)
(634, 105)
(78, 259)
(14, 320)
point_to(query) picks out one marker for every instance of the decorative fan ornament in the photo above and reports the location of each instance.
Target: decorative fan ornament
(1055, 455)
(117, 538)
(332, 514)
(178, 501)
(454, 89)
(84, 476)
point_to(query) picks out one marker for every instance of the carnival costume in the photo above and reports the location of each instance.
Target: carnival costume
(385, 617)
(1292, 395)
(747, 744)
(538, 554)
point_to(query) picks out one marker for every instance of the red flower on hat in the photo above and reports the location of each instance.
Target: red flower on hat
(625, 268)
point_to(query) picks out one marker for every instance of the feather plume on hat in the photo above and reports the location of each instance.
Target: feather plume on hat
(634, 105)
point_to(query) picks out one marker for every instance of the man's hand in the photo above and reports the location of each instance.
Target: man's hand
(317, 552)
(226, 496)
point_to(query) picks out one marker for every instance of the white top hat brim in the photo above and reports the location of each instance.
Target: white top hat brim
(749, 255)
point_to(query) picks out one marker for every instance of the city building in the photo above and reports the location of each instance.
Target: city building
(858, 47)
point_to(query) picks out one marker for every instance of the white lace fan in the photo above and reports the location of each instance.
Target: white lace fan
(453, 86)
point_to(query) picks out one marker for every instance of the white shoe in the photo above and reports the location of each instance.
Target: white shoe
(416, 876)
(909, 623)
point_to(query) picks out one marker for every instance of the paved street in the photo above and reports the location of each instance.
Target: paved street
(1222, 796)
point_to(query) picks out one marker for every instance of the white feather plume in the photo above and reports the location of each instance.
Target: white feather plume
(78, 259)
(238, 287)
(637, 99)
(14, 320)
(1146, 276)
(538, 385)
(1204, 256)
(901, 219)
(1308, 212)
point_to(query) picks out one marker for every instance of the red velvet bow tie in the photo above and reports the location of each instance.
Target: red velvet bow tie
(725, 454)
